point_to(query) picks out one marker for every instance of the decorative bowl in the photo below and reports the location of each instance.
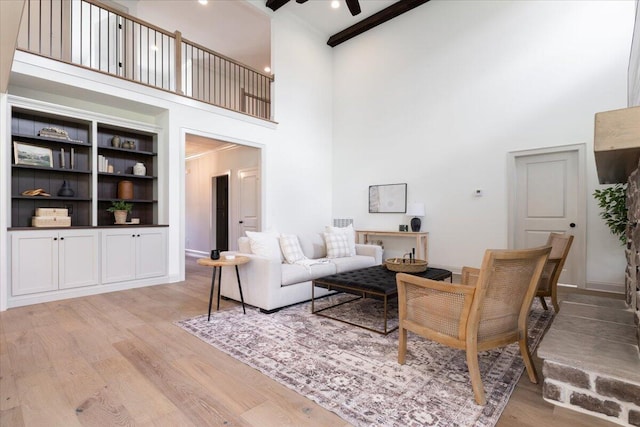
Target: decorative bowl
(404, 265)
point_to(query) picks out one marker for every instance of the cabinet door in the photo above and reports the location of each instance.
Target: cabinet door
(151, 252)
(78, 259)
(34, 262)
(118, 255)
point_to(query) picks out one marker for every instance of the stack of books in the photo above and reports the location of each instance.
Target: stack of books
(103, 164)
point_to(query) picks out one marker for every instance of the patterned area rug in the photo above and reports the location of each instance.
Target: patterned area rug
(354, 372)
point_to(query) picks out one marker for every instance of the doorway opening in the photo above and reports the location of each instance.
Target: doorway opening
(216, 193)
(220, 211)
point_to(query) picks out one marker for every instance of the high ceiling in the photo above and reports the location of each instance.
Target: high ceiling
(319, 14)
(241, 29)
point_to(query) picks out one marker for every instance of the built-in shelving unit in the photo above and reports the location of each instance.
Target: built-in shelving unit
(93, 255)
(57, 167)
(27, 175)
(145, 189)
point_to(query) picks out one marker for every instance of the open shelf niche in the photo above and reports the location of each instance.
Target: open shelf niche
(142, 148)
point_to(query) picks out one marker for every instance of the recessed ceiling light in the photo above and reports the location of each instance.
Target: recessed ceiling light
(267, 69)
(203, 1)
(335, 4)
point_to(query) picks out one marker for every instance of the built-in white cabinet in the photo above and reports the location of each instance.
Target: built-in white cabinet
(133, 253)
(92, 156)
(49, 260)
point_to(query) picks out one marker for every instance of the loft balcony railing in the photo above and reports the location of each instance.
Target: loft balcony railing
(97, 37)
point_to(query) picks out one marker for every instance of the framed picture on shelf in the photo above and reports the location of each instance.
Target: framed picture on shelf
(32, 155)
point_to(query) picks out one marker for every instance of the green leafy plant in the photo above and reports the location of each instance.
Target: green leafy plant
(613, 202)
(120, 205)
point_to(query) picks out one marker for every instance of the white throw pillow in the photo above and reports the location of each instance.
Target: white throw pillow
(337, 245)
(290, 246)
(265, 244)
(348, 231)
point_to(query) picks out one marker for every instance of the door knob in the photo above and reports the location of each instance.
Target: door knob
(241, 222)
(572, 225)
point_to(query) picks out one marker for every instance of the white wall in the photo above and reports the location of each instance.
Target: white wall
(437, 97)
(298, 163)
(198, 191)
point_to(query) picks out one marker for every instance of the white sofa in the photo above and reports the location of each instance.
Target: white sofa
(270, 284)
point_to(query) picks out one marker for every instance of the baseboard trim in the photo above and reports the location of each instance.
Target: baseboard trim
(614, 288)
(195, 253)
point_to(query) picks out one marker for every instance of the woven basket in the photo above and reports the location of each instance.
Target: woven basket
(397, 265)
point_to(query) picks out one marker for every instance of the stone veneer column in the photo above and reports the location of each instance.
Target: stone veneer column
(632, 276)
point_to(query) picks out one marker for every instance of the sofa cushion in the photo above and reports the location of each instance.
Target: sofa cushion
(243, 245)
(337, 245)
(291, 250)
(297, 273)
(313, 245)
(353, 263)
(347, 231)
(265, 244)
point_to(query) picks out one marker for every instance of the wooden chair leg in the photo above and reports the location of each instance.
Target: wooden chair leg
(544, 303)
(554, 300)
(402, 345)
(526, 357)
(474, 373)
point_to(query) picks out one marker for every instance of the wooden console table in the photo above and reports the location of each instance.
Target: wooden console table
(421, 238)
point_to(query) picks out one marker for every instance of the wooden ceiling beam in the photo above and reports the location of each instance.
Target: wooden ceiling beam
(374, 20)
(276, 4)
(354, 7)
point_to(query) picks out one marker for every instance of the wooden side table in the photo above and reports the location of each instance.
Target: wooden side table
(217, 264)
(421, 239)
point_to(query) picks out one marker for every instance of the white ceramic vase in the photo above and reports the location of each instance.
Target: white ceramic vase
(139, 169)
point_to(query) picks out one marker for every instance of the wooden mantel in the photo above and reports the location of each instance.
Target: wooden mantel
(617, 144)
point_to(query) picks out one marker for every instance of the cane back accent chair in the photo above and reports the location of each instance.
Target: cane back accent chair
(489, 309)
(548, 286)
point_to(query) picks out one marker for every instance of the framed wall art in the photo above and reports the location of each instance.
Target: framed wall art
(32, 155)
(389, 198)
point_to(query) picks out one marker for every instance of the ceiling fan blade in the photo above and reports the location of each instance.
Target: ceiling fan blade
(276, 4)
(354, 7)
(301, 1)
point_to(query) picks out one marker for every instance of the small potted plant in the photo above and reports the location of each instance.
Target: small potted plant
(120, 209)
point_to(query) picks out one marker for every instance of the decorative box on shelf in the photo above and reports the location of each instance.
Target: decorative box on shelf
(51, 217)
(52, 212)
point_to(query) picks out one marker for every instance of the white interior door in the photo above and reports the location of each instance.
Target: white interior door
(248, 201)
(548, 196)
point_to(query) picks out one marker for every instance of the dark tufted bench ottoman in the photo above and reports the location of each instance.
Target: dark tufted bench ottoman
(371, 282)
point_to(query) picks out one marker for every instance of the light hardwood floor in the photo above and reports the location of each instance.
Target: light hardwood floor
(117, 359)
